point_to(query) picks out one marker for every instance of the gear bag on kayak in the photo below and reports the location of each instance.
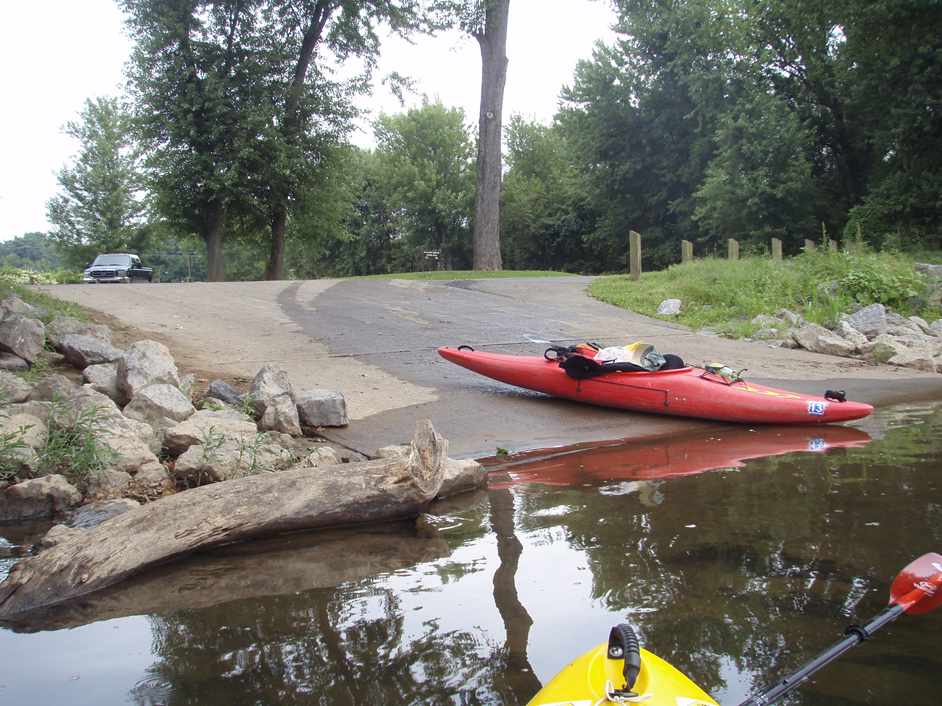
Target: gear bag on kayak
(588, 360)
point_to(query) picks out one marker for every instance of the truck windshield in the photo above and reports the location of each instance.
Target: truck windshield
(112, 261)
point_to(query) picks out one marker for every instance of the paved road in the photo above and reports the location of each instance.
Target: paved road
(375, 340)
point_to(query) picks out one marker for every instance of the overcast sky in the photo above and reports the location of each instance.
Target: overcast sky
(56, 53)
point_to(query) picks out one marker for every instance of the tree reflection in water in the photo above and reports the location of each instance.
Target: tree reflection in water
(734, 577)
(344, 645)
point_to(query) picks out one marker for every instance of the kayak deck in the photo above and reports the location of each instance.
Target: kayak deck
(685, 392)
(582, 683)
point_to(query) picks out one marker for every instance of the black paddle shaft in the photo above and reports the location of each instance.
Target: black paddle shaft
(855, 635)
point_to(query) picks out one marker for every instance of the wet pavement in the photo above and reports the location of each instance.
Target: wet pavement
(397, 325)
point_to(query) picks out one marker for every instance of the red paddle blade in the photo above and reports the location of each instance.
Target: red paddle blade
(918, 588)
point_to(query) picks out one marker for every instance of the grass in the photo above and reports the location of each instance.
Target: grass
(467, 274)
(724, 296)
(12, 283)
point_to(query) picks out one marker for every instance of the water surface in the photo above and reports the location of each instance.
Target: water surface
(735, 575)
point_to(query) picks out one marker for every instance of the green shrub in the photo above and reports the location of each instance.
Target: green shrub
(73, 447)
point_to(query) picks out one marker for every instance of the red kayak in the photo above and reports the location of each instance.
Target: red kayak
(662, 457)
(684, 392)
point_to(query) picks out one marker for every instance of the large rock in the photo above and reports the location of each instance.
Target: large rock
(897, 325)
(461, 476)
(12, 304)
(790, 316)
(146, 363)
(322, 408)
(161, 406)
(13, 389)
(81, 351)
(132, 442)
(870, 320)
(26, 423)
(22, 336)
(12, 363)
(936, 327)
(818, 339)
(669, 307)
(206, 424)
(766, 321)
(26, 434)
(103, 378)
(919, 358)
(152, 481)
(107, 484)
(56, 535)
(281, 415)
(233, 458)
(62, 326)
(270, 383)
(848, 332)
(53, 387)
(321, 456)
(38, 497)
(922, 324)
(883, 347)
(222, 390)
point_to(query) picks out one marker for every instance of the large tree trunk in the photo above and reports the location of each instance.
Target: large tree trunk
(293, 128)
(493, 43)
(213, 232)
(221, 513)
(276, 258)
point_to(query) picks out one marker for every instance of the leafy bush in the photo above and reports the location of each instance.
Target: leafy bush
(12, 276)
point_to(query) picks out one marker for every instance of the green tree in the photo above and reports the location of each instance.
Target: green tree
(426, 164)
(641, 115)
(312, 111)
(759, 184)
(100, 206)
(34, 251)
(893, 61)
(546, 204)
(198, 76)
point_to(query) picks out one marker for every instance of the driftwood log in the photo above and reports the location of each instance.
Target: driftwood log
(280, 566)
(213, 515)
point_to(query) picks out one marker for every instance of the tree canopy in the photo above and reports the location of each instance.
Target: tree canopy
(100, 206)
(702, 120)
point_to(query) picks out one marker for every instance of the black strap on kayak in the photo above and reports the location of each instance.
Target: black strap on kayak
(623, 644)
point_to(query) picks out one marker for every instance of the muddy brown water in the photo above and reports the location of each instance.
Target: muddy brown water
(737, 554)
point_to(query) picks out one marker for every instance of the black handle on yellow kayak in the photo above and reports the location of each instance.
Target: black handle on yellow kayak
(623, 644)
(917, 589)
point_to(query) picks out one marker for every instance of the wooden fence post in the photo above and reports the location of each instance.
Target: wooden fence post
(776, 249)
(686, 251)
(809, 245)
(732, 249)
(634, 254)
